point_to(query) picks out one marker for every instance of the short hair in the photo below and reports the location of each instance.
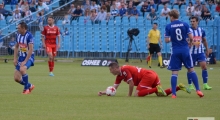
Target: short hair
(113, 64)
(155, 23)
(194, 17)
(23, 25)
(103, 7)
(191, 3)
(50, 17)
(174, 13)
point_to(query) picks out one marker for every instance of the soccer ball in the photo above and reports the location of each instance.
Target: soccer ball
(110, 91)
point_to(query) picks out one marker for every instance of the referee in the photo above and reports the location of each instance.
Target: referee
(153, 41)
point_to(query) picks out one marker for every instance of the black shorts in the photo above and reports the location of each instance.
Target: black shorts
(154, 48)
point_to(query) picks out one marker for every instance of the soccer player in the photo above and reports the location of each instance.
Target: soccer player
(25, 60)
(197, 51)
(153, 45)
(177, 32)
(49, 35)
(147, 81)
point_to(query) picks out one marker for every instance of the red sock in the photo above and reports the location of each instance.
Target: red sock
(169, 91)
(50, 66)
(146, 92)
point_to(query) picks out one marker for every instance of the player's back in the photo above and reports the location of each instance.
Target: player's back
(178, 32)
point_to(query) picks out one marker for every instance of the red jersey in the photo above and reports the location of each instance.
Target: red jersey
(131, 73)
(217, 9)
(50, 33)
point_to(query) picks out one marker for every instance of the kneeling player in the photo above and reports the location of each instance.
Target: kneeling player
(147, 81)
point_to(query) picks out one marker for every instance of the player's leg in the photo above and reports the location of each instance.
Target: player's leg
(159, 56)
(188, 63)
(54, 53)
(151, 52)
(50, 61)
(179, 87)
(175, 65)
(28, 87)
(202, 63)
(194, 59)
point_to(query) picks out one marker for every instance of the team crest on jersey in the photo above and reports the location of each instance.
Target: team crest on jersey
(23, 47)
(197, 40)
(124, 73)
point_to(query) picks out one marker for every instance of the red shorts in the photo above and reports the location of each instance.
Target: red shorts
(149, 80)
(51, 49)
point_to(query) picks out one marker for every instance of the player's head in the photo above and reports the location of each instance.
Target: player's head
(174, 14)
(194, 21)
(50, 20)
(22, 27)
(114, 68)
(155, 26)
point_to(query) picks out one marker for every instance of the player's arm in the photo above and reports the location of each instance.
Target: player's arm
(204, 41)
(30, 51)
(16, 54)
(131, 87)
(43, 37)
(190, 39)
(58, 35)
(167, 34)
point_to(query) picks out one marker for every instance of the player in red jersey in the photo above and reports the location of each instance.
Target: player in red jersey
(147, 81)
(49, 35)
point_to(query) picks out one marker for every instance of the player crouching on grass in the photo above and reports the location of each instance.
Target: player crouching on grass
(147, 81)
(25, 60)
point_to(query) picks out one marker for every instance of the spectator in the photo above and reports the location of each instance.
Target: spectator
(1, 40)
(87, 15)
(152, 5)
(2, 17)
(203, 7)
(42, 6)
(4, 12)
(217, 9)
(94, 6)
(16, 16)
(165, 11)
(48, 2)
(198, 4)
(145, 8)
(206, 15)
(118, 4)
(24, 6)
(40, 21)
(93, 15)
(152, 15)
(66, 21)
(76, 14)
(179, 3)
(13, 3)
(101, 15)
(114, 11)
(65, 32)
(72, 9)
(11, 46)
(28, 13)
(190, 9)
(87, 5)
(17, 7)
(122, 11)
(197, 13)
(107, 5)
(135, 12)
(165, 2)
(129, 10)
(136, 2)
(212, 58)
(32, 8)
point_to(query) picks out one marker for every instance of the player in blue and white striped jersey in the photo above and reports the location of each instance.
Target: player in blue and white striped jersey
(197, 51)
(24, 51)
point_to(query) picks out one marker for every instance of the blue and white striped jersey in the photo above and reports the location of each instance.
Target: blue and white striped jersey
(23, 41)
(198, 46)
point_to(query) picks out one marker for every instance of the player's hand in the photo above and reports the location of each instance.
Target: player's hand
(15, 62)
(148, 46)
(44, 46)
(23, 63)
(100, 93)
(58, 47)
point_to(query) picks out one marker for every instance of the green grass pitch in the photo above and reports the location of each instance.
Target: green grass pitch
(72, 95)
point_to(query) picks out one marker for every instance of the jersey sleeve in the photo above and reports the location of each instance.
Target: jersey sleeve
(127, 75)
(118, 80)
(167, 31)
(43, 33)
(58, 31)
(30, 39)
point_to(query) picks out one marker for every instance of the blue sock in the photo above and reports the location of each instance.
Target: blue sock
(189, 79)
(25, 79)
(194, 78)
(22, 82)
(174, 83)
(205, 76)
